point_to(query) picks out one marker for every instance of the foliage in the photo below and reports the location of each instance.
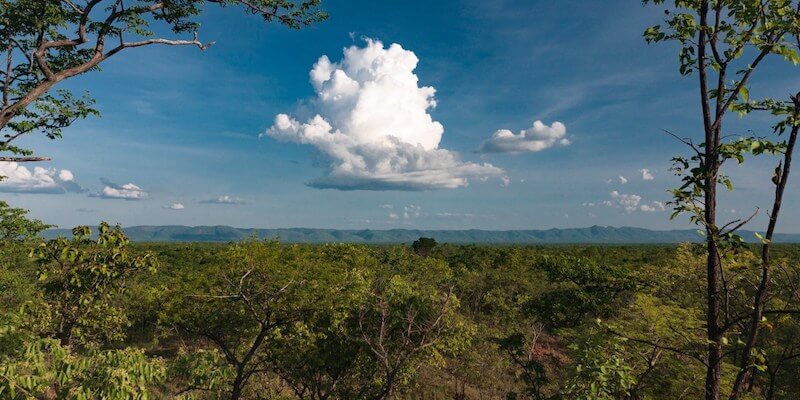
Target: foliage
(583, 289)
(423, 246)
(80, 278)
(599, 375)
(358, 322)
(44, 369)
(48, 41)
(16, 227)
(50, 342)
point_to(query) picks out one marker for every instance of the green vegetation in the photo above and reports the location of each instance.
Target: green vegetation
(87, 318)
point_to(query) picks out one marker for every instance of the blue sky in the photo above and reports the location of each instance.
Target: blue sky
(192, 127)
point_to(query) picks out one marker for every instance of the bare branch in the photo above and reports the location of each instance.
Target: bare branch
(169, 42)
(24, 159)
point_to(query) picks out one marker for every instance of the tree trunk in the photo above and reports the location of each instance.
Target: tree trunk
(714, 282)
(238, 385)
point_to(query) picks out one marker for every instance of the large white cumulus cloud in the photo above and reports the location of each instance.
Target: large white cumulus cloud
(372, 125)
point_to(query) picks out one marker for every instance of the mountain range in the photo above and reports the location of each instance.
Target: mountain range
(595, 234)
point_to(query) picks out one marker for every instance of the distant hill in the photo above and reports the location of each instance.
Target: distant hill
(594, 234)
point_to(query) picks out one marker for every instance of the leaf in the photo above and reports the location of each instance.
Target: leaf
(744, 93)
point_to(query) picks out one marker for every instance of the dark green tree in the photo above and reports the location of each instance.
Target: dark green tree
(423, 246)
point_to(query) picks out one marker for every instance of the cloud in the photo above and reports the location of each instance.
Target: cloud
(646, 175)
(224, 199)
(19, 179)
(128, 191)
(372, 128)
(411, 211)
(536, 138)
(454, 215)
(623, 180)
(632, 202)
(386, 206)
(505, 181)
(655, 206)
(175, 206)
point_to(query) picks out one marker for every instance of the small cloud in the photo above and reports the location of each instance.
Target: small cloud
(224, 199)
(128, 191)
(655, 206)
(386, 206)
(19, 179)
(588, 204)
(175, 206)
(536, 138)
(609, 180)
(592, 215)
(411, 211)
(646, 175)
(630, 202)
(453, 215)
(85, 210)
(144, 107)
(623, 180)
(505, 181)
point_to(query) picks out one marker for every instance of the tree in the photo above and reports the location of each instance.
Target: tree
(410, 317)
(55, 345)
(581, 288)
(243, 306)
(48, 41)
(720, 40)
(80, 277)
(16, 227)
(423, 246)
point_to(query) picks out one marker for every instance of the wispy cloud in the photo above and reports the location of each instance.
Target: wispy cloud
(224, 199)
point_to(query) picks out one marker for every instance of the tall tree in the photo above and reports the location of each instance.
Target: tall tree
(48, 41)
(724, 42)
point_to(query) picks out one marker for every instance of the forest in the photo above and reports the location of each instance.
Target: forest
(105, 318)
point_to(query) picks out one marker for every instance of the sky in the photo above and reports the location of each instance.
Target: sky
(393, 114)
